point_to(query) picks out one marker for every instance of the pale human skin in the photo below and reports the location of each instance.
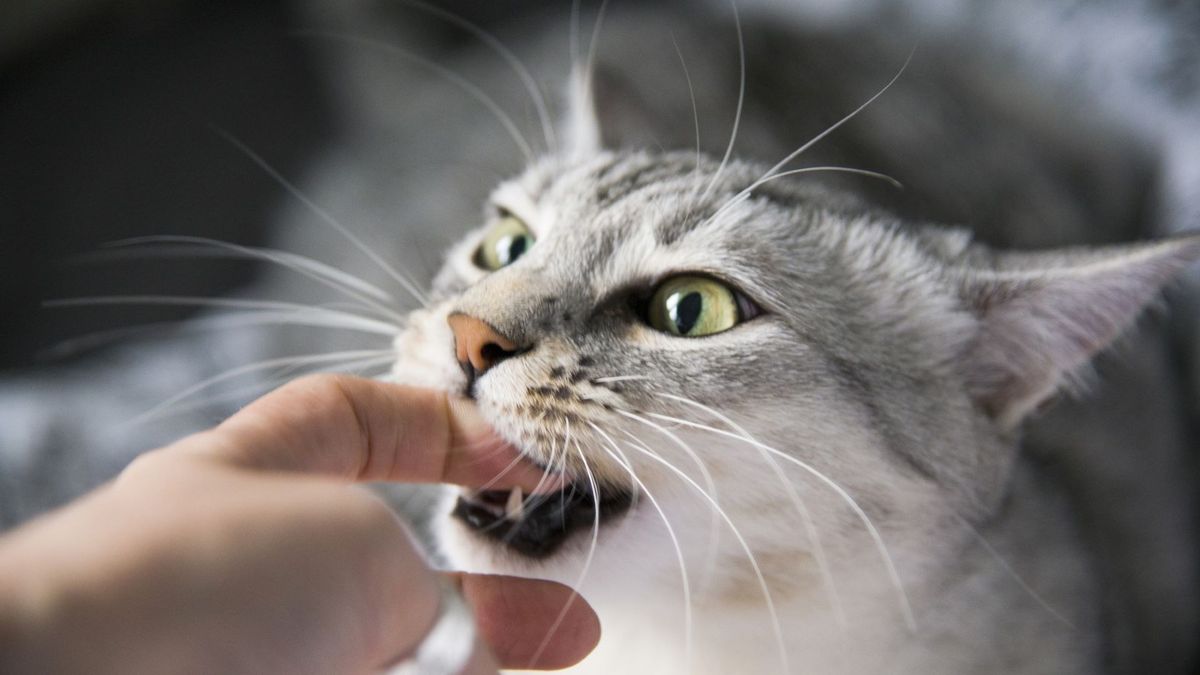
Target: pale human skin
(245, 548)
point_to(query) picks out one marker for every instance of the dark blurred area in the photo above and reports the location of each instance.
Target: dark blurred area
(108, 130)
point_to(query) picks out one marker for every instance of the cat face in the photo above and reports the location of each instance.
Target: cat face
(765, 387)
(823, 368)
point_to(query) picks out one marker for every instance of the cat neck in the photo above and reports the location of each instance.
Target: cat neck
(1021, 574)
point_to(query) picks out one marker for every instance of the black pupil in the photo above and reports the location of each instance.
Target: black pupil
(687, 312)
(515, 248)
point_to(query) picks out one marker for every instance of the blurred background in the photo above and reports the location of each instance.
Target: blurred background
(106, 111)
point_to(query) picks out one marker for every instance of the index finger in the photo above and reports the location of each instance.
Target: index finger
(363, 430)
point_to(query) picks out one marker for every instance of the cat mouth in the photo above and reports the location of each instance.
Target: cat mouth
(537, 525)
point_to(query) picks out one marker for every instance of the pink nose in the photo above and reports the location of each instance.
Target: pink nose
(478, 344)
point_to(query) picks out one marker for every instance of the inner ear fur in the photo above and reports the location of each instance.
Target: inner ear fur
(1042, 316)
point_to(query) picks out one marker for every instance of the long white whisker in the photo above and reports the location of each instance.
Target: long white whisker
(554, 451)
(894, 575)
(587, 561)
(323, 273)
(454, 78)
(683, 575)
(854, 113)
(517, 66)
(541, 482)
(805, 516)
(737, 117)
(709, 483)
(1013, 573)
(692, 96)
(313, 319)
(829, 169)
(762, 582)
(813, 141)
(255, 367)
(332, 317)
(259, 388)
(619, 378)
(748, 191)
(712, 552)
(502, 473)
(405, 283)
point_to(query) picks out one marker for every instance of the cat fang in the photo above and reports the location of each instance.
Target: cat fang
(537, 525)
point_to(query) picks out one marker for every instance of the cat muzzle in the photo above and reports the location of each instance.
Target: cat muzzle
(536, 525)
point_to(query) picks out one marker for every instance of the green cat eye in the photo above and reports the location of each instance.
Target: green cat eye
(693, 306)
(508, 240)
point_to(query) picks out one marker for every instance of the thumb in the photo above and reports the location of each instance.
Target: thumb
(518, 618)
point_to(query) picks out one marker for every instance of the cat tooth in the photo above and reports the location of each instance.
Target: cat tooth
(515, 508)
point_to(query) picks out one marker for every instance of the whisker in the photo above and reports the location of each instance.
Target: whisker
(282, 310)
(618, 378)
(323, 273)
(854, 113)
(623, 460)
(454, 78)
(737, 117)
(533, 497)
(256, 367)
(692, 96)
(814, 140)
(762, 582)
(285, 375)
(838, 169)
(501, 474)
(1013, 573)
(714, 524)
(553, 453)
(248, 319)
(517, 66)
(587, 561)
(902, 596)
(798, 502)
(712, 552)
(406, 283)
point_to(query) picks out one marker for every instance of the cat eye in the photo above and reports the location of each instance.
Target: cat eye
(508, 240)
(695, 306)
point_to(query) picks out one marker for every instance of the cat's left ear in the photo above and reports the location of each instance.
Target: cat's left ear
(1042, 316)
(605, 111)
(582, 124)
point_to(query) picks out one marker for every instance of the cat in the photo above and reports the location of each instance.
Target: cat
(792, 415)
(951, 515)
(893, 367)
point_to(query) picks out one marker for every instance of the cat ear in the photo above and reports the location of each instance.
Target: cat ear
(606, 110)
(582, 125)
(1042, 316)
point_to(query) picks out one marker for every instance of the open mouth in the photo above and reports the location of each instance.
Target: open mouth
(537, 525)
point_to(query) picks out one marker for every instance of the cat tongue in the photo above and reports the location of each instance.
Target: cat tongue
(483, 458)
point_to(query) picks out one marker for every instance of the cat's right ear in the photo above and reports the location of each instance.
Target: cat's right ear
(1042, 316)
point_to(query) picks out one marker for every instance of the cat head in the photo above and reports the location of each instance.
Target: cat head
(726, 374)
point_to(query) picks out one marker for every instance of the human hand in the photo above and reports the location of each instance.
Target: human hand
(243, 549)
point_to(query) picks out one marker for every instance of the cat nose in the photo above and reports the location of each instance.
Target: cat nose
(478, 345)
